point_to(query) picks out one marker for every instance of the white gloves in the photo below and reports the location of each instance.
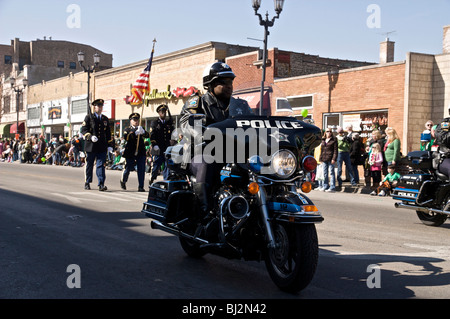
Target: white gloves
(140, 130)
(94, 138)
(110, 149)
(156, 148)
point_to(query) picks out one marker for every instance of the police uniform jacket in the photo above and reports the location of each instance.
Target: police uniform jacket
(99, 127)
(131, 142)
(212, 108)
(161, 133)
(442, 134)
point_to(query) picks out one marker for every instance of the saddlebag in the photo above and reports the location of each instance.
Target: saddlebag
(169, 201)
(422, 160)
(409, 186)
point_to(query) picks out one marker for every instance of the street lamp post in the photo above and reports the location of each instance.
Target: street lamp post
(88, 70)
(18, 91)
(266, 23)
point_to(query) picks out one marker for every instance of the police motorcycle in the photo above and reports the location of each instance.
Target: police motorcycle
(258, 213)
(425, 190)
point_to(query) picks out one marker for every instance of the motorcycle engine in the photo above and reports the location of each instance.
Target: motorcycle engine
(232, 203)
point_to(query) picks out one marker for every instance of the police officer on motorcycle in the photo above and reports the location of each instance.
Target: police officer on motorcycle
(442, 134)
(214, 105)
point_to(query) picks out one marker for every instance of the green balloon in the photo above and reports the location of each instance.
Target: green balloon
(304, 112)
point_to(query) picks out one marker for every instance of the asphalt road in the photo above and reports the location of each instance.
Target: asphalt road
(48, 223)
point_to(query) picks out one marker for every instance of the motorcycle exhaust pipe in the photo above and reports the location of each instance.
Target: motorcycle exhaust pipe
(158, 225)
(422, 209)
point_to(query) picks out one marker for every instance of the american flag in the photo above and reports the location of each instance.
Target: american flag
(142, 84)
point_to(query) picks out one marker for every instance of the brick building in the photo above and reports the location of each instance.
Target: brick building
(37, 61)
(171, 75)
(280, 65)
(402, 94)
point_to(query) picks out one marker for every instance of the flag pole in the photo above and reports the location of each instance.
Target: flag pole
(143, 102)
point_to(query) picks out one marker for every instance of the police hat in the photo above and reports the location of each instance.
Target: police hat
(135, 116)
(162, 107)
(98, 102)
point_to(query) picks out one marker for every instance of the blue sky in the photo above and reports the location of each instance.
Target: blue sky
(329, 28)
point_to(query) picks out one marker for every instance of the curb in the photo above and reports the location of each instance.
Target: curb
(360, 189)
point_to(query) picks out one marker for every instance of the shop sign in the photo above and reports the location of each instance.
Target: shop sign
(155, 95)
(54, 112)
(178, 92)
(373, 121)
(167, 94)
(352, 119)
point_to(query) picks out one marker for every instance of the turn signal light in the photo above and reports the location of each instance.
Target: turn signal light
(309, 163)
(253, 188)
(306, 187)
(310, 208)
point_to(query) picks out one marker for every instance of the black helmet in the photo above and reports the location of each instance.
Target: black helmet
(215, 71)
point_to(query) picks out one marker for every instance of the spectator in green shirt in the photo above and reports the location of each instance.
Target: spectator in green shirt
(392, 147)
(344, 143)
(388, 183)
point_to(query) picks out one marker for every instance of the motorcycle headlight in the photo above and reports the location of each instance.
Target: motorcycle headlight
(284, 163)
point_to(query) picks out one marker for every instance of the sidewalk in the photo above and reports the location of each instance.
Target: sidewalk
(348, 188)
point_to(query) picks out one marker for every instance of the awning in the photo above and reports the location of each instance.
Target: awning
(4, 129)
(253, 99)
(13, 128)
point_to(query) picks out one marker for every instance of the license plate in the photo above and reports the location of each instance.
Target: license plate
(404, 194)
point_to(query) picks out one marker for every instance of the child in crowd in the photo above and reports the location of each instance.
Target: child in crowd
(376, 162)
(119, 161)
(388, 183)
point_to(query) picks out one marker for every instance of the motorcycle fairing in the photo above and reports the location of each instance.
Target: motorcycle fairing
(293, 207)
(284, 131)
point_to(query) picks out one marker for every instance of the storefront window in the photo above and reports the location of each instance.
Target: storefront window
(331, 121)
(301, 102)
(366, 122)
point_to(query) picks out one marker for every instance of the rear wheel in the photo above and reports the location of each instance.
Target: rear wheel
(293, 261)
(431, 219)
(191, 247)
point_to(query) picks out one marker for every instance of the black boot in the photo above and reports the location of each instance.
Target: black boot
(204, 198)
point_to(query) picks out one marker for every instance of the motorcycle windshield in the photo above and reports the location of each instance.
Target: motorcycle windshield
(244, 134)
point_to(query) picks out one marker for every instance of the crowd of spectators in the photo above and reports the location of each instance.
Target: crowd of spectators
(56, 151)
(63, 151)
(378, 158)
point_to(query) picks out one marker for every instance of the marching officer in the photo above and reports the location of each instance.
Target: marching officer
(98, 141)
(134, 153)
(160, 136)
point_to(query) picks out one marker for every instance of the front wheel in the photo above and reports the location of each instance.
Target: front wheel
(293, 261)
(431, 219)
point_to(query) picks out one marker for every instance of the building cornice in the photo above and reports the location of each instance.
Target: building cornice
(163, 58)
